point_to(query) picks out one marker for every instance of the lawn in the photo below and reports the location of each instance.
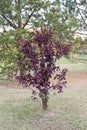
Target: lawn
(77, 66)
(67, 111)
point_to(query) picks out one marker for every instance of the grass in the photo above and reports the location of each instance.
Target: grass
(73, 67)
(67, 111)
(83, 56)
(80, 67)
(63, 60)
(17, 109)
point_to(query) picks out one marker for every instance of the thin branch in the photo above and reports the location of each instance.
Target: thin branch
(80, 13)
(28, 18)
(12, 19)
(16, 1)
(1, 33)
(11, 24)
(7, 46)
(81, 33)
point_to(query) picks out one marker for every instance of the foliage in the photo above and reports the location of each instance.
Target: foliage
(63, 16)
(61, 20)
(19, 13)
(37, 63)
(18, 16)
(84, 47)
(79, 9)
(85, 41)
(76, 46)
(9, 51)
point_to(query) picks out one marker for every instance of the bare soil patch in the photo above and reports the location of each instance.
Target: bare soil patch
(77, 79)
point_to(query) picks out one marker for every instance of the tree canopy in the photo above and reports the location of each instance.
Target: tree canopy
(18, 16)
(15, 14)
(79, 9)
(37, 64)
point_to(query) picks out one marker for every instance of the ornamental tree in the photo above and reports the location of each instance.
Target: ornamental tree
(37, 64)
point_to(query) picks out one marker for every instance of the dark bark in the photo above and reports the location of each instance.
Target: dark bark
(44, 99)
(28, 18)
(19, 12)
(9, 21)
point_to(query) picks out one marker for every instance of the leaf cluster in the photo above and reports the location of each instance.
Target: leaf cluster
(37, 62)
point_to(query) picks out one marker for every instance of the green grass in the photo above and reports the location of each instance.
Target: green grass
(73, 67)
(63, 60)
(17, 109)
(83, 56)
(80, 67)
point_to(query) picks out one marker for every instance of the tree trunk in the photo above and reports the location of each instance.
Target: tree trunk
(19, 14)
(44, 99)
(72, 59)
(45, 103)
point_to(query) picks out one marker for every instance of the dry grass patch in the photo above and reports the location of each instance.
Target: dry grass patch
(67, 111)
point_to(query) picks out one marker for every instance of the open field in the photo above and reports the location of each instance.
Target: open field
(76, 66)
(67, 111)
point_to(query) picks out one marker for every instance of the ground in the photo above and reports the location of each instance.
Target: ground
(67, 111)
(77, 79)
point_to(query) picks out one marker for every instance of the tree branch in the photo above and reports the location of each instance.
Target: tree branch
(19, 13)
(28, 18)
(80, 13)
(81, 33)
(16, 1)
(7, 46)
(11, 24)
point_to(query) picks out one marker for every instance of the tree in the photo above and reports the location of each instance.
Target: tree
(62, 15)
(17, 16)
(84, 47)
(19, 13)
(61, 20)
(75, 48)
(39, 55)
